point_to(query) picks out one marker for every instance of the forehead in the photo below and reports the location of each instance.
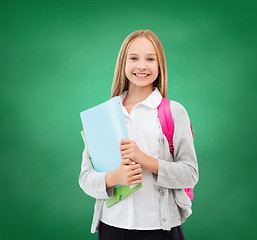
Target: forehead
(141, 46)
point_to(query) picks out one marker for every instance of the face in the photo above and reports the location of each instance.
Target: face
(141, 63)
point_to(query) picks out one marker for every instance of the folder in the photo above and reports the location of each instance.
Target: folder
(103, 127)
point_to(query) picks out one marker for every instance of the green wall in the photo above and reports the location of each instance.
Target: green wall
(58, 59)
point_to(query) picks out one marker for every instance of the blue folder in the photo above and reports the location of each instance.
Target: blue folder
(103, 128)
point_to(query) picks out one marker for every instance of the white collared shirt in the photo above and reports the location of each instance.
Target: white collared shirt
(140, 210)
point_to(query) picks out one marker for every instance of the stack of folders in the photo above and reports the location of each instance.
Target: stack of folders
(103, 128)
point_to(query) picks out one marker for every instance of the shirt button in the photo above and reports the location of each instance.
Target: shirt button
(163, 220)
(162, 140)
(162, 193)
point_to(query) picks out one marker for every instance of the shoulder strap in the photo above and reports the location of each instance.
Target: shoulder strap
(165, 117)
(191, 129)
(166, 121)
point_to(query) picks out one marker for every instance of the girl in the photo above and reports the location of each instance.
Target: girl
(157, 210)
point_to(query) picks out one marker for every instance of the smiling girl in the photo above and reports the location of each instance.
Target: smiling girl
(157, 210)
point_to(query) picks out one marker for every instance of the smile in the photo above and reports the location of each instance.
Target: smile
(141, 76)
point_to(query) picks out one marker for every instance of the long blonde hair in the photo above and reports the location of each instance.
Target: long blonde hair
(120, 81)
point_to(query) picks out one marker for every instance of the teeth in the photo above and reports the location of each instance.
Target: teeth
(141, 75)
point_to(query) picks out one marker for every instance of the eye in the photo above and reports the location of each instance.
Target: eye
(134, 58)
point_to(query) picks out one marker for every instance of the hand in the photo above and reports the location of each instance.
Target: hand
(129, 173)
(130, 150)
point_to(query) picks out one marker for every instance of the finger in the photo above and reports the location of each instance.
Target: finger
(136, 177)
(132, 161)
(124, 147)
(129, 156)
(125, 141)
(129, 162)
(135, 166)
(136, 182)
(124, 152)
(126, 161)
(137, 171)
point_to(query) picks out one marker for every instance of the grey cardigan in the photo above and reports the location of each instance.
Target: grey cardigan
(173, 174)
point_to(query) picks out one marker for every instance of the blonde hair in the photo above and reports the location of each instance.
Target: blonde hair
(120, 81)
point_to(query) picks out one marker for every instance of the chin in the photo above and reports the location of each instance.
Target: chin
(142, 84)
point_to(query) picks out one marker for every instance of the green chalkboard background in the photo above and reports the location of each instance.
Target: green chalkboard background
(57, 58)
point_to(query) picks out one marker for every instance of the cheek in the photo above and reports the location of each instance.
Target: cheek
(156, 67)
(128, 69)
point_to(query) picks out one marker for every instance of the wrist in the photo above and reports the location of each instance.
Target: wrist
(143, 160)
(150, 163)
(111, 179)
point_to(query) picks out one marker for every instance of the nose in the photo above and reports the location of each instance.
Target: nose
(141, 64)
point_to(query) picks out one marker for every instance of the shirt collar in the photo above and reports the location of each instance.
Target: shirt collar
(152, 101)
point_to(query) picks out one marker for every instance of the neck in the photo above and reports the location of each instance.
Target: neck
(138, 94)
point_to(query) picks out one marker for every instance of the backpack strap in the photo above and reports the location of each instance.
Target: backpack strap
(191, 129)
(165, 118)
(166, 121)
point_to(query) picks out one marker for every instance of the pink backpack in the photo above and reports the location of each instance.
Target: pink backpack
(167, 124)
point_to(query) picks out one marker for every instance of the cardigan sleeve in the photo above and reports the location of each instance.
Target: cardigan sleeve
(93, 182)
(182, 172)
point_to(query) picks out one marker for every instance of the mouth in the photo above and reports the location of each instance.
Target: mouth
(141, 75)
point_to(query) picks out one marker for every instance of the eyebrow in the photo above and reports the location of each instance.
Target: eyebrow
(146, 54)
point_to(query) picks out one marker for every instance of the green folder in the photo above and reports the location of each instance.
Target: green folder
(121, 191)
